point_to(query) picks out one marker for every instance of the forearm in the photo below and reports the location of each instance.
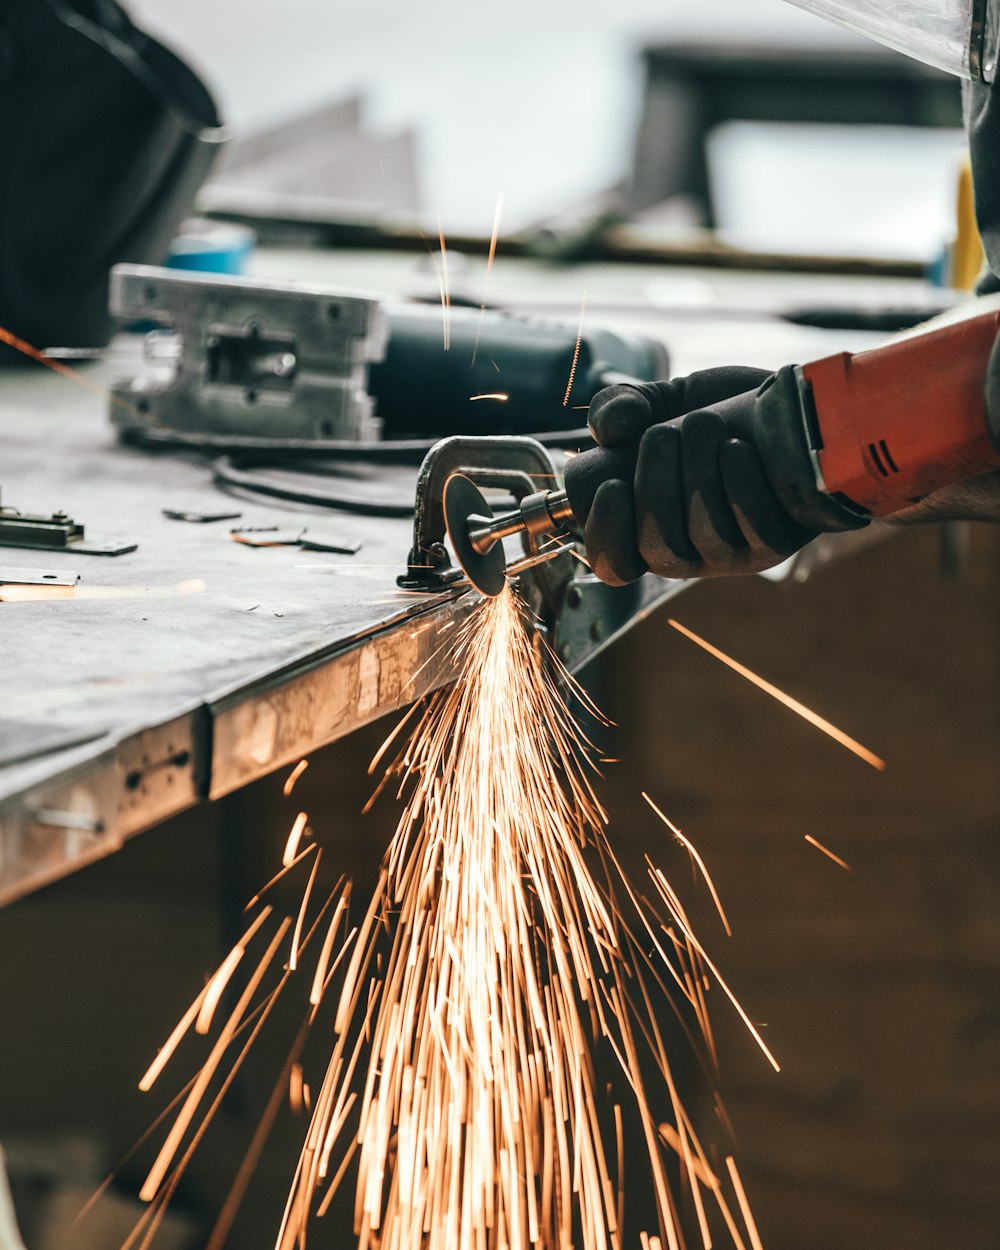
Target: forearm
(976, 499)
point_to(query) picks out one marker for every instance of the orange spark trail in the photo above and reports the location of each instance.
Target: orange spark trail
(744, 1205)
(294, 835)
(158, 1171)
(57, 366)
(215, 990)
(826, 851)
(307, 850)
(576, 352)
(293, 776)
(496, 233)
(293, 959)
(64, 370)
(793, 705)
(489, 265)
(500, 396)
(445, 292)
(689, 847)
(173, 1041)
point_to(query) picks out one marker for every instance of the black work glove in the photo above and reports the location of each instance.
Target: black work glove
(691, 495)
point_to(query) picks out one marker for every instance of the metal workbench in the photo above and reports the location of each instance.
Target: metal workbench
(119, 711)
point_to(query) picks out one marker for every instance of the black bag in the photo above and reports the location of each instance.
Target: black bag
(105, 137)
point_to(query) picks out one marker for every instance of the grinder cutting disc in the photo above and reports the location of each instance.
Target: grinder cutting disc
(463, 499)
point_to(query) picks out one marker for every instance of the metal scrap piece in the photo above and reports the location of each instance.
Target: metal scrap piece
(199, 518)
(266, 536)
(317, 540)
(10, 576)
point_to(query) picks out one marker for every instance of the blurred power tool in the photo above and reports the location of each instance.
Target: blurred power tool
(238, 363)
(502, 373)
(841, 440)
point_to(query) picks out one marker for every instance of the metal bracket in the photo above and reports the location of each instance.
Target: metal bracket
(10, 576)
(592, 614)
(245, 358)
(55, 532)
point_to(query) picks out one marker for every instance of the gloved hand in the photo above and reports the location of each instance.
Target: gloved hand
(699, 502)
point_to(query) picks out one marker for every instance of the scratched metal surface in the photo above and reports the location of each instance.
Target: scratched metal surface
(91, 665)
(107, 704)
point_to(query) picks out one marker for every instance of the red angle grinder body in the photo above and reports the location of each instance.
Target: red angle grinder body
(902, 420)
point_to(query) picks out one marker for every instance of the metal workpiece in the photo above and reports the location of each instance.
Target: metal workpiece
(238, 357)
(73, 806)
(275, 722)
(129, 700)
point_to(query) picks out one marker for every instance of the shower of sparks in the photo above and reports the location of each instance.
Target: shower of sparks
(828, 853)
(793, 705)
(576, 352)
(498, 1010)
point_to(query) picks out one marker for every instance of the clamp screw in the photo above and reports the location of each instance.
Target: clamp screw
(437, 555)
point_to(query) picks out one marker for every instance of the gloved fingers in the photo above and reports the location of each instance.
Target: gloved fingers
(771, 535)
(661, 524)
(713, 386)
(712, 528)
(620, 414)
(609, 535)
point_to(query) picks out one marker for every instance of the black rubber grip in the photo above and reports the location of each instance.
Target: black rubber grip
(591, 469)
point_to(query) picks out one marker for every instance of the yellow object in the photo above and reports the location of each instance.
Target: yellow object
(967, 254)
